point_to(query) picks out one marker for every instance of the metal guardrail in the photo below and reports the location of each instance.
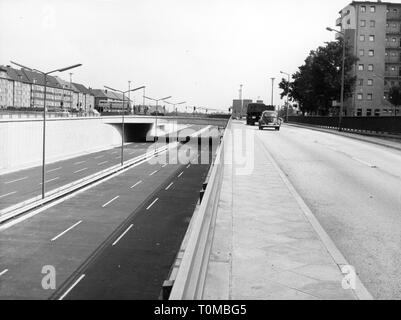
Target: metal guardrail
(191, 275)
(386, 125)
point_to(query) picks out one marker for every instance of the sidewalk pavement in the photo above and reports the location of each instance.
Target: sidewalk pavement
(265, 246)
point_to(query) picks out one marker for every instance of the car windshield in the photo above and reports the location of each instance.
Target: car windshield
(269, 114)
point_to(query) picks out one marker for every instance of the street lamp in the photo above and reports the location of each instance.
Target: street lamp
(123, 117)
(288, 90)
(157, 109)
(175, 105)
(342, 79)
(45, 74)
(272, 98)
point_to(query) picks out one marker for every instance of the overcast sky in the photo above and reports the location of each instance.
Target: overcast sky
(198, 51)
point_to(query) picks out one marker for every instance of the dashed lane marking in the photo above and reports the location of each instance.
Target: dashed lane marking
(65, 231)
(72, 287)
(122, 235)
(107, 203)
(151, 205)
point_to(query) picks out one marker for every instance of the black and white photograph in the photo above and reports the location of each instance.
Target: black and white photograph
(201, 155)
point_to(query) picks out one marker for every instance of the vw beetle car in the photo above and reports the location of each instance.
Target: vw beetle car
(269, 119)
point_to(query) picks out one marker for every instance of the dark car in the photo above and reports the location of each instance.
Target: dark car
(255, 111)
(160, 114)
(269, 119)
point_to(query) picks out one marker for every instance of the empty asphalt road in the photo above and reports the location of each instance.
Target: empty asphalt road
(354, 189)
(117, 239)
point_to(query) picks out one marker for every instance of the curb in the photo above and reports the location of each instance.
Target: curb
(360, 291)
(347, 135)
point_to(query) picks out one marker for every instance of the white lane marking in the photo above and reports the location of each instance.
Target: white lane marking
(99, 157)
(151, 205)
(154, 172)
(364, 162)
(122, 235)
(169, 186)
(136, 184)
(114, 152)
(64, 232)
(8, 194)
(180, 174)
(80, 162)
(47, 181)
(164, 165)
(107, 203)
(54, 170)
(8, 182)
(102, 163)
(72, 287)
(188, 166)
(81, 170)
(3, 272)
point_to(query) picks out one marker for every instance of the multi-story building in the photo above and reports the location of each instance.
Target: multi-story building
(373, 32)
(240, 107)
(108, 101)
(25, 89)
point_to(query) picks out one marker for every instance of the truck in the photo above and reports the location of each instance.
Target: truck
(255, 111)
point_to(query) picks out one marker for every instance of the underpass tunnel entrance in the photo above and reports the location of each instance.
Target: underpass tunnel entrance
(134, 132)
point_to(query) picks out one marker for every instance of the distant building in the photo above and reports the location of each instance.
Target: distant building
(25, 89)
(373, 31)
(240, 108)
(109, 101)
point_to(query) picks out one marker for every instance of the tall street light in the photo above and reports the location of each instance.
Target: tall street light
(342, 79)
(288, 91)
(175, 104)
(123, 118)
(157, 109)
(272, 98)
(45, 74)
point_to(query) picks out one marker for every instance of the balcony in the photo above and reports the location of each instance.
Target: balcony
(393, 15)
(393, 45)
(392, 74)
(390, 59)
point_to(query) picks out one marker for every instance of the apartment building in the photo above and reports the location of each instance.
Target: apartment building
(373, 31)
(25, 89)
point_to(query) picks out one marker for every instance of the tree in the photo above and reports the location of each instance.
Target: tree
(317, 83)
(394, 97)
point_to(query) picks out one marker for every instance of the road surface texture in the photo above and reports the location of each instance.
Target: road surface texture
(354, 190)
(22, 185)
(116, 240)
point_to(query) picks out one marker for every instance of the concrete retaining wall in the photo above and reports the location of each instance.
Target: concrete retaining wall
(21, 141)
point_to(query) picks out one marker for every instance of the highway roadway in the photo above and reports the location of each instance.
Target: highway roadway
(116, 240)
(354, 189)
(22, 185)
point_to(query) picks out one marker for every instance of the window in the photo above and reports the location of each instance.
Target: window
(372, 23)
(372, 8)
(360, 82)
(361, 52)
(377, 112)
(370, 96)
(363, 23)
(395, 10)
(393, 54)
(392, 68)
(362, 38)
(363, 8)
(372, 38)
(394, 39)
(370, 67)
(361, 67)
(370, 82)
(359, 113)
(360, 96)
(371, 53)
(369, 112)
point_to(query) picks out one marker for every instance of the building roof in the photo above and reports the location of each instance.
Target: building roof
(39, 78)
(81, 88)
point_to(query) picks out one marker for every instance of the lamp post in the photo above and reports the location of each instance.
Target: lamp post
(288, 90)
(123, 117)
(45, 74)
(342, 79)
(175, 105)
(157, 109)
(272, 98)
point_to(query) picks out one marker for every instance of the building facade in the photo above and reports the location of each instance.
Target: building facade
(25, 89)
(373, 32)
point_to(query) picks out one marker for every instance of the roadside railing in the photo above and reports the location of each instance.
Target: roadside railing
(190, 278)
(373, 125)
